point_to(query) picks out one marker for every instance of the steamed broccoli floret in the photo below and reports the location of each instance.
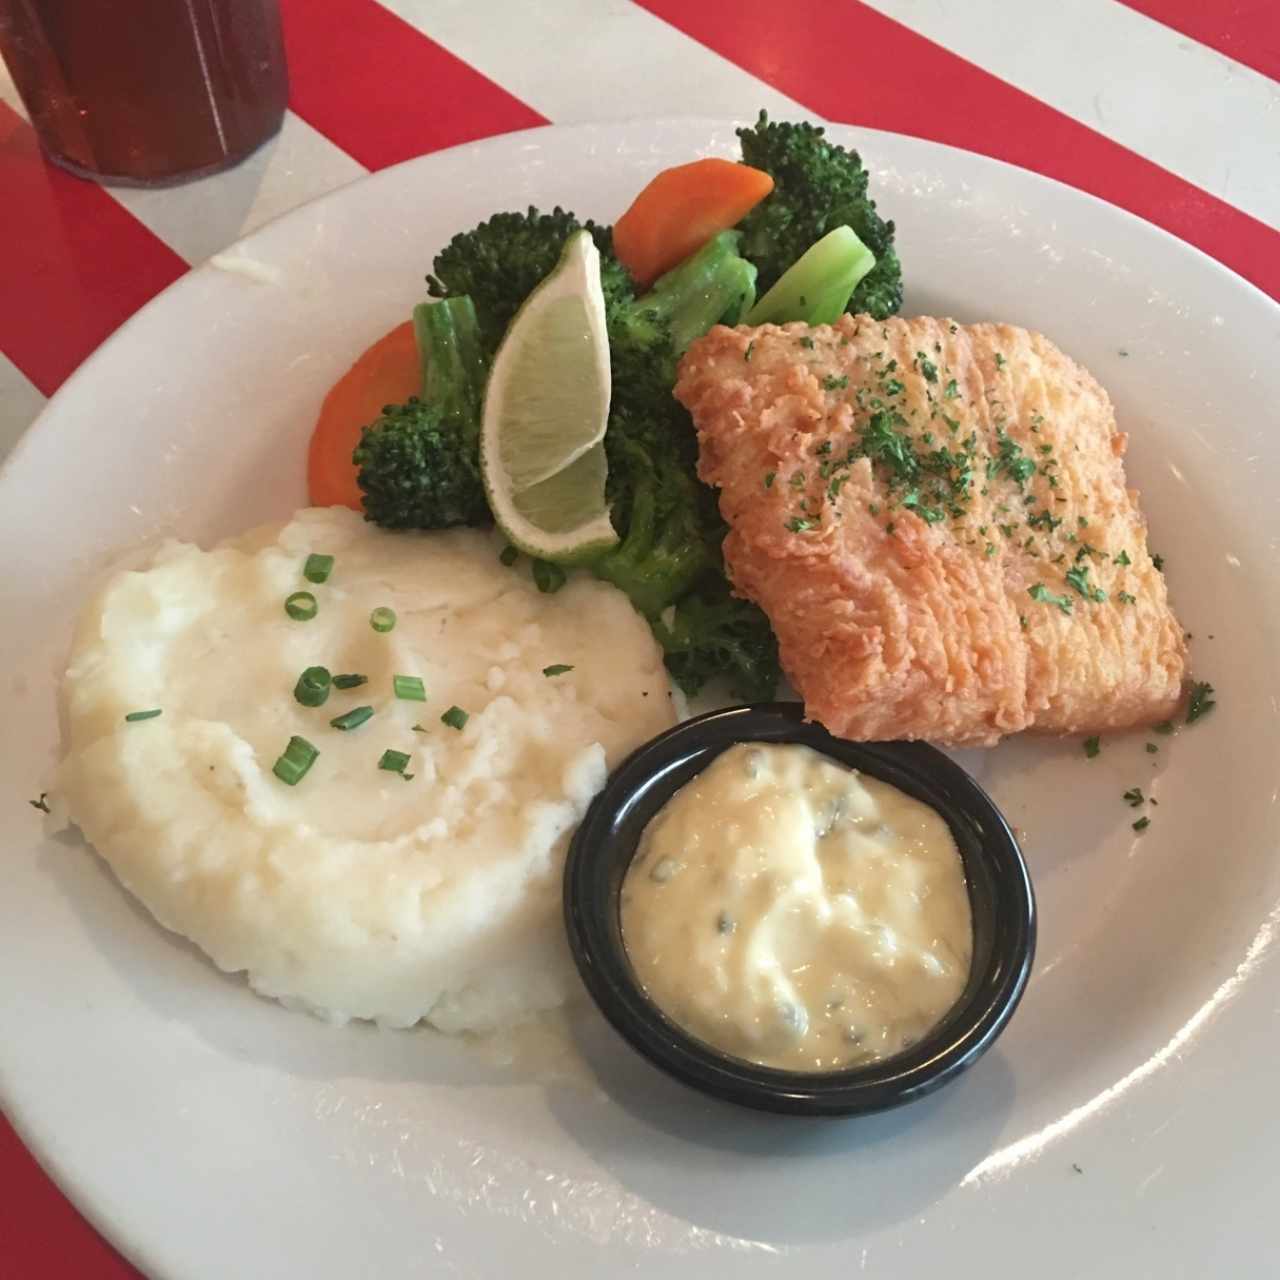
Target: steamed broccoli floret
(665, 549)
(817, 186)
(499, 263)
(419, 463)
(713, 633)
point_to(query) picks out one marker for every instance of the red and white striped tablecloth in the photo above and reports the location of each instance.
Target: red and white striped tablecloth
(1168, 108)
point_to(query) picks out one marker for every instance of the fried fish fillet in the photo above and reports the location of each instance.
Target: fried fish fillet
(935, 519)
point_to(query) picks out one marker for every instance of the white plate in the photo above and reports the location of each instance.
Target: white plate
(1124, 1126)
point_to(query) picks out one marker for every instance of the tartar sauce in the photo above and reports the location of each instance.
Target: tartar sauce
(796, 913)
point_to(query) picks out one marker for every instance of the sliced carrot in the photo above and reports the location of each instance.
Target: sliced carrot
(681, 209)
(387, 373)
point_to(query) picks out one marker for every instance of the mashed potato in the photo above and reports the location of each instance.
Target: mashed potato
(356, 893)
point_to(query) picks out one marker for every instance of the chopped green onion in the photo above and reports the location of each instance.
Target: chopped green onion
(301, 606)
(349, 681)
(312, 689)
(292, 766)
(142, 715)
(393, 761)
(455, 718)
(409, 688)
(548, 577)
(509, 555)
(318, 568)
(352, 719)
(556, 669)
(382, 618)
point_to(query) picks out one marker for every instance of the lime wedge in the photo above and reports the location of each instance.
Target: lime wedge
(545, 412)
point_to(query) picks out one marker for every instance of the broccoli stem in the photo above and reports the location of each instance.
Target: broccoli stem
(454, 367)
(715, 284)
(817, 288)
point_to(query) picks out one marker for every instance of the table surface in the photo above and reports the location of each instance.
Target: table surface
(1168, 108)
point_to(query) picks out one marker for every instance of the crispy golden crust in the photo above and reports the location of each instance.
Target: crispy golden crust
(894, 627)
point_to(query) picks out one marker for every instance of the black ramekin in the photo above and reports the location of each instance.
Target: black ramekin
(1000, 895)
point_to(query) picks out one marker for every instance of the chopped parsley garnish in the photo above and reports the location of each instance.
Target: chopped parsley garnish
(1121, 558)
(928, 370)
(1142, 824)
(556, 669)
(1134, 797)
(1010, 460)
(807, 343)
(746, 355)
(1165, 726)
(1000, 361)
(42, 803)
(798, 524)
(1125, 598)
(832, 383)
(1152, 748)
(769, 478)
(509, 555)
(135, 716)
(1092, 746)
(1044, 521)
(1158, 561)
(1200, 703)
(950, 391)
(1042, 593)
(930, 515)
(892, 387)
(1078, 577)
(455, 718)
(797, 480)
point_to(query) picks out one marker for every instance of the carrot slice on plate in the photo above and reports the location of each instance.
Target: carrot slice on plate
(681, 209)
(387, 373)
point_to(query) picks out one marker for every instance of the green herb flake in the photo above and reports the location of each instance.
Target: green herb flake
(1165, 727)
(832, 383)
(1134, 798)
(1122, 558)
(556, 669)
(798, 524)
(352, 719)
(394, 761)
(409, 688)
(769, 478)
(1000, 361)
(1042, 593)
(509, 555)
(1201, 702)
(41, 804)
(455, 718)
(134, 716)
(1124, 597)
(1092, 746)
(951, 390)
(1078, 578)
(807, 343)
(317, 568)
(928, 370)
(746, 355)
(1142, 824)
(1151, 748)
(1158, 561)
